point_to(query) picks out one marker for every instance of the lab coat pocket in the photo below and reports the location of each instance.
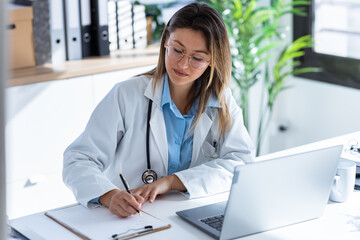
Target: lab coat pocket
(209, 151)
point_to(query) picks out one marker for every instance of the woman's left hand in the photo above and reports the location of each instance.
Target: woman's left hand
(161, 186)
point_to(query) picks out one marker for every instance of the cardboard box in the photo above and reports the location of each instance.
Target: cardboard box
(20, 37)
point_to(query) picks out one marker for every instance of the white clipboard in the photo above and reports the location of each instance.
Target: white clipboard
(100, 223)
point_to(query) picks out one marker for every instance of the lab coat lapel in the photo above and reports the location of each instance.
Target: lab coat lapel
(157, 126)
(157, 122)
(201, 130)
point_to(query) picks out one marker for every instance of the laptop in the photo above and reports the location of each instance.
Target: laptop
(271, 194)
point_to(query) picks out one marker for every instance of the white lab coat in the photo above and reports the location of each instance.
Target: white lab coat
(115, 141)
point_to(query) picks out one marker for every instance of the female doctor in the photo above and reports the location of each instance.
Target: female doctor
(176, 127)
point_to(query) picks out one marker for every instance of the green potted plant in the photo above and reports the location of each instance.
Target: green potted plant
(259, 52)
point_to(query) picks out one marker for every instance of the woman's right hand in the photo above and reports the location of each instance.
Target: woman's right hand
(121, 203)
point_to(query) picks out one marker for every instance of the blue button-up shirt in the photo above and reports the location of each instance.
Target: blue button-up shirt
(179, 138)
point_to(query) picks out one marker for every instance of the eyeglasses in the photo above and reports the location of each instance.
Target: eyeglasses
(195, 61)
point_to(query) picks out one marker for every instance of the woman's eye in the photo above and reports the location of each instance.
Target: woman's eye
(177, 50)
(198, 59)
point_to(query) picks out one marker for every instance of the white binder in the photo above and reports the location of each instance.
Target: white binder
(57, 31)
(72, 30)
(113, 25)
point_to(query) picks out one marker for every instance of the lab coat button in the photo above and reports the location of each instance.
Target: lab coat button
(177, 141)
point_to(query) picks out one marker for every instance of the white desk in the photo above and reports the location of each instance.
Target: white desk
(340, 220)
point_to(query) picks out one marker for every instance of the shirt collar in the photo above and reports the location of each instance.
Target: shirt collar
(166, 98)
(213, 102)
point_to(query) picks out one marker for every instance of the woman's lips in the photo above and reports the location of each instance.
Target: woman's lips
(180, 74)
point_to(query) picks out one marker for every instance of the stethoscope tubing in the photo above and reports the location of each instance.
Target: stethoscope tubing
(149, 175)
(148, 135)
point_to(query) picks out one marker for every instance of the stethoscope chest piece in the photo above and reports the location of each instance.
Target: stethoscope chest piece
(149, 176)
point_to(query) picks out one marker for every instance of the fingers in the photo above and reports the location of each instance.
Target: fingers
(140, 198)
(143, 191)
(124, 204)
(121, 211)
(152, 196)
(150, 191)
(161, 186)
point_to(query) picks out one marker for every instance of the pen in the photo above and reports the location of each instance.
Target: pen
(127, 188)
(215, 144)
(137, 232)
(133, 235)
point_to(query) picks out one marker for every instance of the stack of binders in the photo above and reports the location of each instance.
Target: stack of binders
(84, 28)
(78, 29)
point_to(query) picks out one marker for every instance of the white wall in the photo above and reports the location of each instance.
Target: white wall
(312, 111)
(42, 120)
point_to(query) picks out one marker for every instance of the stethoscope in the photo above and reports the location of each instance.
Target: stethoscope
(149, 176)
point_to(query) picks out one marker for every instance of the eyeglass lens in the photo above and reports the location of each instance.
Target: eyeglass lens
(196, 62)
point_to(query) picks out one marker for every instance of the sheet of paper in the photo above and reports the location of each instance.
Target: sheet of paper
(100, 223)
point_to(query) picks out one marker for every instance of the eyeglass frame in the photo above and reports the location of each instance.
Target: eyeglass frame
(190, 57)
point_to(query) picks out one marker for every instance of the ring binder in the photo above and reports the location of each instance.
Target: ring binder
(57, 31)
(72, 30)
(86, 34)
(100, 27)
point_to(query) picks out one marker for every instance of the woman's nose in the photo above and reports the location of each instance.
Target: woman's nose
(184, 62)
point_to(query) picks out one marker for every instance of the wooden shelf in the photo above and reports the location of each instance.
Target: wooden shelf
(117, 60)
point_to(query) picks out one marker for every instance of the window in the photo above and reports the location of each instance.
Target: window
(335, 28)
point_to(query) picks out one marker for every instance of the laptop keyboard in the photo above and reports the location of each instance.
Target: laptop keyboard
(214, 222)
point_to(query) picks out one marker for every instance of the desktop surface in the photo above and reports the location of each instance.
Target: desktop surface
(340, 221)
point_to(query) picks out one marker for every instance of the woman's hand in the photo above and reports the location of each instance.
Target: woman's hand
(121, 203)
(161, 186)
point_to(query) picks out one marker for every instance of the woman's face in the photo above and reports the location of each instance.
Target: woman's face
(183, 70)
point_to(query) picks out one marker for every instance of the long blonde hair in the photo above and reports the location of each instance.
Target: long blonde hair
(202, 17)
